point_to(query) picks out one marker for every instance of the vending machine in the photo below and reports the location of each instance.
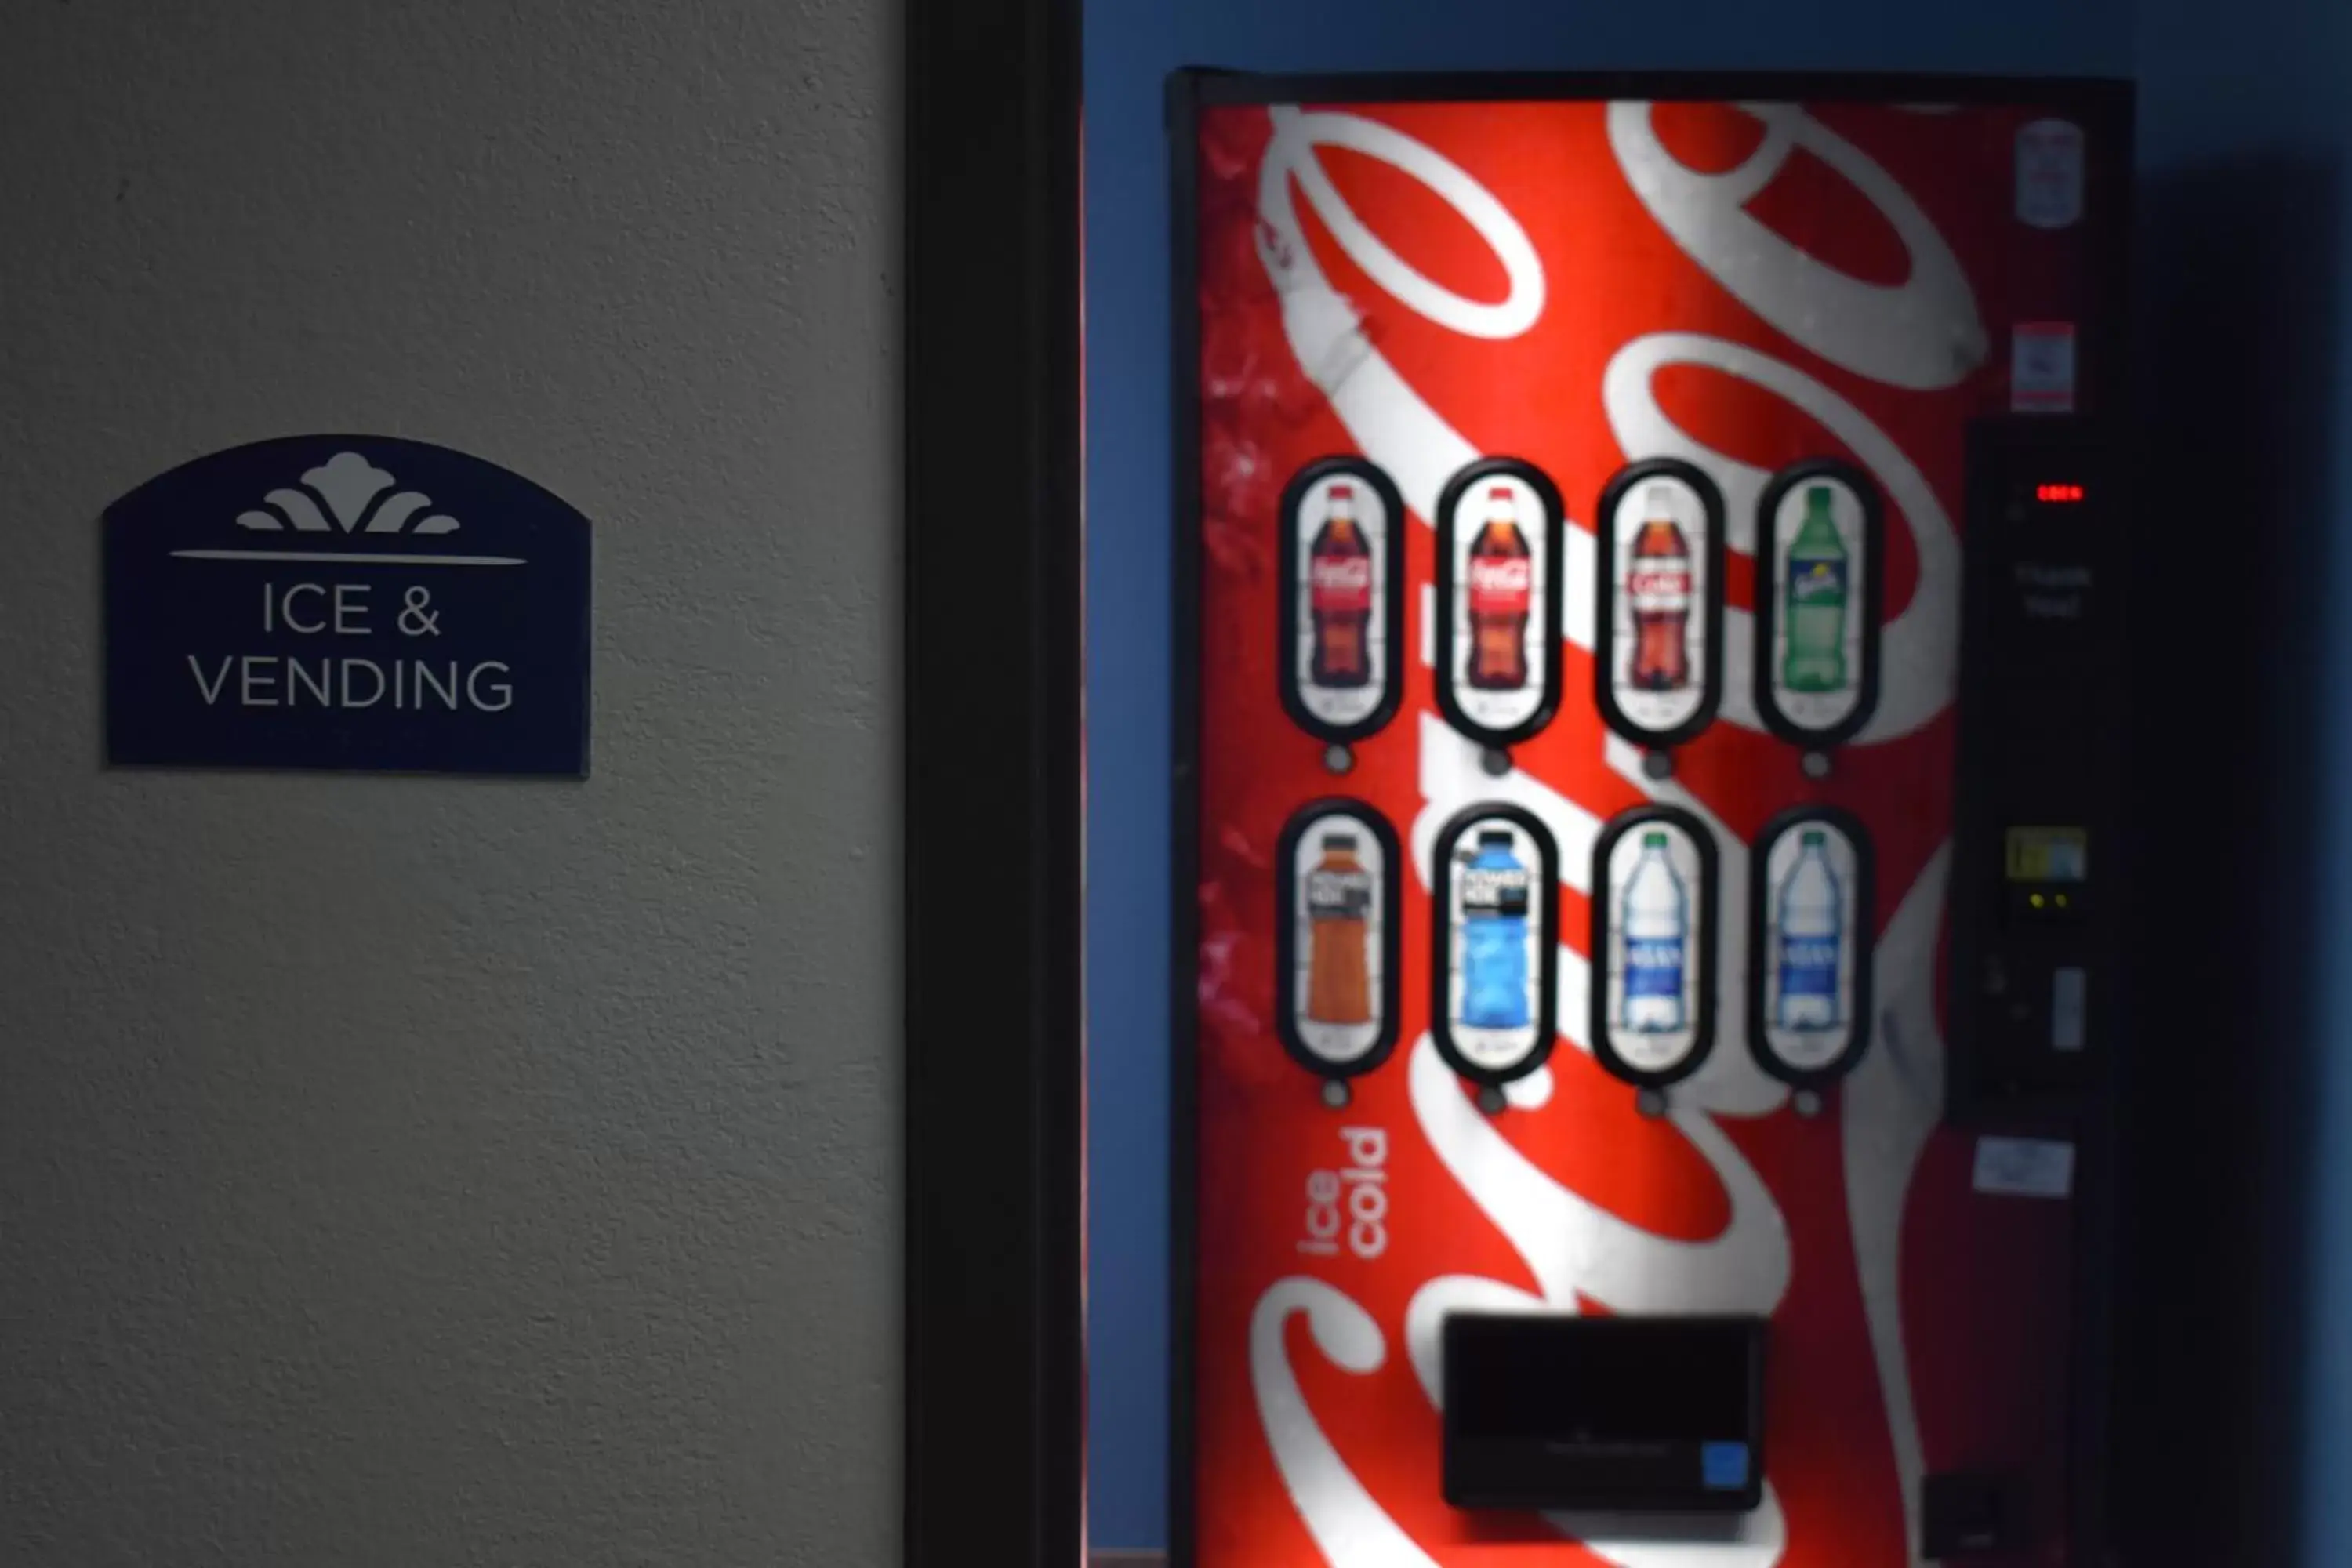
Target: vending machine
(1650, 675)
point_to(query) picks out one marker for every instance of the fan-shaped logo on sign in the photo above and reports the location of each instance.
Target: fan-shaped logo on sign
(346, 602)
(349, 485)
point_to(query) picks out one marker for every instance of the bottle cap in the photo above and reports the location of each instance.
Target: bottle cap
(1495, 836)
(1654, 841)
(1817, 497)
(1339, 841)
(1810, 839)
(1660, 500)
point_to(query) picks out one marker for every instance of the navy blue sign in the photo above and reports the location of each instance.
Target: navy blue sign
(347, 602)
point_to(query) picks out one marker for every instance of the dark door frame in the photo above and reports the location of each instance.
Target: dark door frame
(994, 1284)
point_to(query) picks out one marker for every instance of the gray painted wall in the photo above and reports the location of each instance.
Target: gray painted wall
(416, 1173)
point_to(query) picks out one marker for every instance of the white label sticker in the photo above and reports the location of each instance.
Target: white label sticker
(2042, 368)
(2049, 175)
(2025, 1167)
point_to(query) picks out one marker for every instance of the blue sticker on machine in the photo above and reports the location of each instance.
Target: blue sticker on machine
(1723, 1466)
(355, 603)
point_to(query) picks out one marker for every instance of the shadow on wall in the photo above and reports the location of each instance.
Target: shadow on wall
(2238, 285)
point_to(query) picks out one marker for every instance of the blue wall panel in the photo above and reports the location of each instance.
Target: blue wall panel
(2246, 258)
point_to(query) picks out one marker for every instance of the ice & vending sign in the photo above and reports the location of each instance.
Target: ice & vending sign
(346, 602)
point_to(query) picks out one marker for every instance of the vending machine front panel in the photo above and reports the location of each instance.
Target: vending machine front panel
(1574, 517)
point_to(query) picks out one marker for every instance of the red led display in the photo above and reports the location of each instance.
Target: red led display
(2060, 495)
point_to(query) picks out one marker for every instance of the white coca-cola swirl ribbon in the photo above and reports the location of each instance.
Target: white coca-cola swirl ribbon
(1754, 1539)
(1453, 776)
(1388, 419)
(1919, 648)
(1349, 1527)
(1573, 1246)
(1893, 1100)
(1523, 299)
(1922, 334)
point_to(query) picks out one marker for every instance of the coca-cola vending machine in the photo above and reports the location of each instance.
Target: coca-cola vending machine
(1648, 666)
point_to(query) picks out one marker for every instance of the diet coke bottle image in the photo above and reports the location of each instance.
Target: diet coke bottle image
(1339, 580)
(1658, 587)
(1660, 610)
(1502, 585)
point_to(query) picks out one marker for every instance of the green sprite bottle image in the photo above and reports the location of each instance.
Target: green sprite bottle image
(1815, 657)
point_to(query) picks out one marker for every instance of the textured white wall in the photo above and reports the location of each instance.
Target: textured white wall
(415, 1172)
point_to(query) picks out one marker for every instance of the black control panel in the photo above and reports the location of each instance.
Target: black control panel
(2042, 729)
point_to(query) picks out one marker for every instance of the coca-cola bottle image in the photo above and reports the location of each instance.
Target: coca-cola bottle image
(1658, 589)
(1501, 585)
(1340, 595)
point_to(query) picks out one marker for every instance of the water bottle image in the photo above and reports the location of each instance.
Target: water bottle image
(1494, 896)
(1654, 924)
(1812, 919)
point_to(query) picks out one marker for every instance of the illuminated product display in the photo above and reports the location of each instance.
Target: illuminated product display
(1635, 1009)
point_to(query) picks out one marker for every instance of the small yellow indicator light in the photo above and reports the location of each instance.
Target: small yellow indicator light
(2062, 901)
(2036, 900)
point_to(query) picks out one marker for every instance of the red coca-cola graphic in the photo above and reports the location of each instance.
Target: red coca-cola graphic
(1658, 586)
(1584, 287)
(1501, 588)
(1339, 591)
